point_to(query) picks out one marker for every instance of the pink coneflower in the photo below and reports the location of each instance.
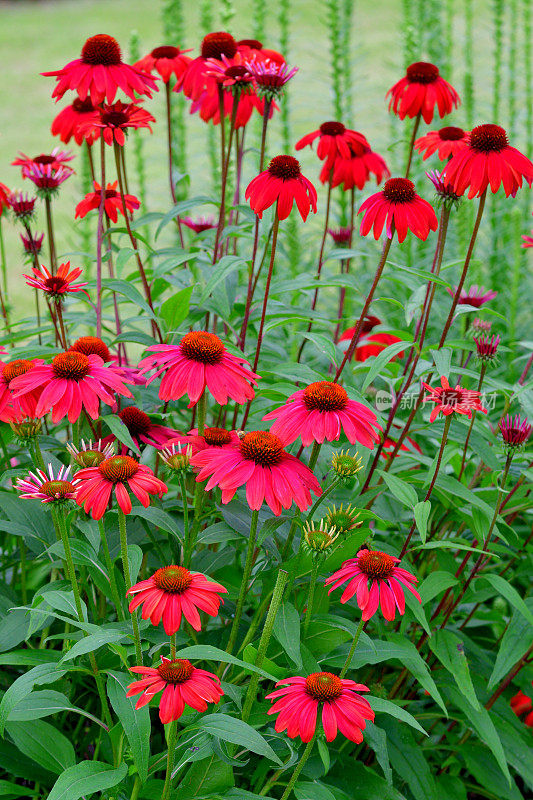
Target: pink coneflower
(514, 430)
(196, 80)
(341, 236)
(32, 243)
(199, 362)
(283, 184)
(47, 180)
(301, 698)
(173, 591)
(377, 581)
(355, 171)
(212, 437)
(488, 160)
(446, 142)
(182, 685)
(487, 348)
(259, 462)
(321, 412)
(166, 60)
(420, 91)
(481, 325)
(90, 454)
(22, 205)
(49, 488)
(200, 224)
(476, 296)
(114, 121)
(399, 205)
(57, 158)
(452, 400)
(142, 430)
(100, 73)
(270, 77)
(230, 74)
(72, 382)
(112, 203)
(71, 122)
(10, 406)
(116, 474)
(92, 345)
(58, 285)
(335, 141)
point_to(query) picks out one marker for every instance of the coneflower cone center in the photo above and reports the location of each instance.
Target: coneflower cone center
(165, 51)
(57, 489)
(323, 686)
(451, 397)
(71, 365)
(451, 134)
(114, 119)
(177, 671)
(136, 421)
(110, 193)
(44, 159)
(399, 190)
(237, 72)
(92, 345)
(82, 106)
(253, 44)
(325, 396)
(332, 128)
(218, 44)
(488, 138)
(89, 458)
(101, 49)
(376, 565)
(173, 579)
(118, 468)
(216, 437)
(203, 347)
(285, 167)
(422, 72)
(262, 447)
(15, 368)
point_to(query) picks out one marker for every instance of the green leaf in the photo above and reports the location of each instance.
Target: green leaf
(92, 642)
(206, 778)
(401, 490)
(43, 743)
(486, 772)
(434, 584)
(422, 511)
(377, 739)
(206, 652)
(44, 704)
(408, 761)
(379, 361)
(221, 270)
(504, 588)
(135, 722)
(442, 360)
(381, 706)
(13, 790)
(238, 732)
(325, 345)
(118, 429)
(129, 291)
(287, 631)
(449, 649)
(305, 790)
(515, 643)
(86, 778)
(176, 308)
(159, 518)
(22, 686)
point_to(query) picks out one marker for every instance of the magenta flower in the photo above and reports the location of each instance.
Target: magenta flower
(49, 488)
(514, 430)
(476, 296)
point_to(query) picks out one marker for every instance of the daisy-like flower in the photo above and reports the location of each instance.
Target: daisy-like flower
(270, 77)
(48, 488)
(476, 296)
(487, 348)
(341, 236)
(100, 72)
(174, 591)
(112, 202)
(399, 205)
(92, 345)
(142, 430)
(4, 198)
(182, 685)
(488, 160)
(90, 454)
(212, 437)
(446, 142)
(196, 79)
(71, 122)
(261, 464)
(515, 431)
(231, 74)
(166, 60)
(11, 407)
(113, 122)
(450, 400)
(72, 381)
(57, 158)
(335, 141)
(22, 205)
(47, 180)
(377, 581)
(322, 411)
(355, 171)
(33, 243)
(199, 362)
(282, 183)
(420, 91)
(370, 344)
(342, 708)
(200, 224)
(116, 474)
(58, 285)
(256, 53)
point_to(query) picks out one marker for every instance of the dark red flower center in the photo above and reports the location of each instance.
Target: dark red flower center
(422, 72)
(206, 348)
(332, 128)
(488, 138)
(218, 44)
(262, 447)
(399, 190)
(92, 345)
(173, 579)
(118, 468)
(15, 368)
(115, 119)
(82, 106)
(451, 397)
(376, 565)
(253, 44)
(216, 437)
(59, 490)
(325, 396)
(109, 193)
(71, 366)
(238, 72)
(136, 421)
(101, 49)
(323, 686)
(43, 159)
(451, 134)
(165, 51)
(369, 323)
(285, 167)
(177, 671)
(55, 284)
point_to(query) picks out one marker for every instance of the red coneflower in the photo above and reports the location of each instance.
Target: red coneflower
(32, 243)
(514, 430)
(408, 446)
(420, 91)
(48, 488)
(476, 296)
(11, 407)
(200, 224)
(100, 73)
(270, 77)
(142, 430)
(116, 474)
(255, 52)
(488, 160)
(487, 348)
(335, 140)
(341, 236)
(47, 179)
(323, 411)
(377, 581)
(57, 285)
(182, 685)
(446, 142)
(199, 362)
(114, 120)
(166, 60)
(71, 382)
(450, 400)
(528, 240)
(173, 591)
(4, 198)
(261, 464)
(301, 698)
(57, 158)
(92, 345)
(71, 122)
(211, 437)
(282, 183)
(22, 205)
(399, 205)
(112, 202)
(355, 171)
(196, 80)
(370, 344)
(521, 704)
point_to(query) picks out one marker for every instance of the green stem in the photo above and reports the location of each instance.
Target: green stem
(183, 488)
(173, 646)
(314, 455)
(412, 144)
(199, 491)
(171, 742)
(296, 774)
(352, 649)
(465, 450)
(111, 571)
(38, 455)
(310, 596)
(244, 583)
(127, 580)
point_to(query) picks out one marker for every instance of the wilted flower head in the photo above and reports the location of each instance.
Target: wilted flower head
(515, 432)
(341, 235)
(487, 348)
(319, 538)
(90, 454)
(345, 466)
(32, 243)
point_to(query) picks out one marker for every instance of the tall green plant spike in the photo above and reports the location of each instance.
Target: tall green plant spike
(497, 19)
(140, 166)
(206, 26)
(174, 34)
(333, 22)
(518, 261)
(447, 62)
(346, 58)
(84, 225)
(259, 19)
(435, 31)
(227, 12)
(528, 72)
(410, 39)
(468, 91)
(514, 25)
